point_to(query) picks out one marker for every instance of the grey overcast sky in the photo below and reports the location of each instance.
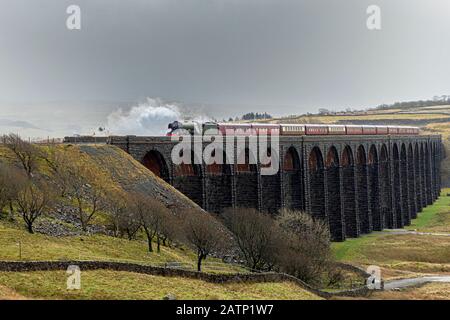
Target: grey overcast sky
(225, 57)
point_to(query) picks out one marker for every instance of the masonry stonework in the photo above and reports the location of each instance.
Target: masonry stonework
(357, 184)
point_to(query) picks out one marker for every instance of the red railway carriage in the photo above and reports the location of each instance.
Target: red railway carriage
(336, 129)
(369, 130)
(292, 129)
(403, 130)
(411, 130)
(316, 129)
(237, 129)
(266, 129)
(393, 130)
(353, 129)
(382, 130)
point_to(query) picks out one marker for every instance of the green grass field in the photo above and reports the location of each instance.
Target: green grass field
(103, 284)
(399, 254)
(435, 218)
(18, 244)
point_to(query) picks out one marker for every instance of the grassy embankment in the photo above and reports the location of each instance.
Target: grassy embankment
(120, 172)
(102, 284)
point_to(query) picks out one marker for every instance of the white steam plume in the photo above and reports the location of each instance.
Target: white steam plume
(149, 118)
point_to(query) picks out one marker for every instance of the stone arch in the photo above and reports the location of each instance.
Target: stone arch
(271, 186)
(411, 183)
(247, 181)
(428, 174)
(436, 158)
(439, 156)
(333, 187)
(365, 219)
(247, 166)
(155, 162)
(292, 180)
(396, 186)
(348, 193)
(435, 172)
(404, 185)
(316, 183)
(187, 178)
(432, 172)
(423, 176)
(374, 187)
(218, 185)
(385, 188)
(418, 177)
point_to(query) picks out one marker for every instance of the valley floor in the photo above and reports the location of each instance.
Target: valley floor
(404, 254)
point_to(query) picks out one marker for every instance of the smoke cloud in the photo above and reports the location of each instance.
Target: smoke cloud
(152, 117)
(149, 118)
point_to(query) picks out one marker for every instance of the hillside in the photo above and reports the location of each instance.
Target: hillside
(59, 237)
(124, 172)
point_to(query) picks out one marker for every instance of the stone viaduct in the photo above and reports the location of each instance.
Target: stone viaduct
(357, 183)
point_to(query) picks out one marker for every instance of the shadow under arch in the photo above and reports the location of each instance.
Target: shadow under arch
(218, 184)
(411, 183)
(396, 183)
(428, 174)
(418, 177)
(333, 188)
(348, 193)
(247, 181)
(187, 178)
(293, 182)
(155, 162)
(316, 183)
(271, 184)
(374, 187)
(385, 188)
(404, 185)
(423, 178)
(365, 219)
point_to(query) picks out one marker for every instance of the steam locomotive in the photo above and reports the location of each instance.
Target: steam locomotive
(248, 129)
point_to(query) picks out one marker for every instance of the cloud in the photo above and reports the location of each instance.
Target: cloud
(18, 124)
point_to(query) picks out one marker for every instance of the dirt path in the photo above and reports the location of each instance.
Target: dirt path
(403, 283)
(402, 231)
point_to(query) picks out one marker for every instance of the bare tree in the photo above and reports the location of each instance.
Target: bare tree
(88, 191)
(58, 162)
(151, 214)
(256, 235)
(11, 182)
(170, 230)
(32, 201)
(123, 219)
(204, 233)
(27, 153)
(129, 224)
(117, 208)
(307, 254)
